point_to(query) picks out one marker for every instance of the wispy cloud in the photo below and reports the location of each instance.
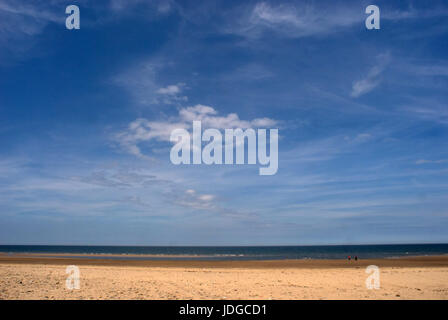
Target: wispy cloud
(191, 198)
(20, 23)
(127, 179)
(293, 20)
(162, 6)
(423, 161)
(143, 83)
(433, 113)
(38, 10)
(329, 148)
(428, 70)
(373, 79)
(415, 13)
(426, 109)
(248, 73)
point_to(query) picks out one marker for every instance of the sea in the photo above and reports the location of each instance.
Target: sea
(231, 252)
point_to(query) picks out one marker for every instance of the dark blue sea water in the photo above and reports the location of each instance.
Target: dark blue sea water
(240, 253)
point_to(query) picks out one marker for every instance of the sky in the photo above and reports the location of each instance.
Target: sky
(86, 115)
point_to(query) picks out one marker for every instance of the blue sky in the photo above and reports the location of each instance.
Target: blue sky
(85, 117)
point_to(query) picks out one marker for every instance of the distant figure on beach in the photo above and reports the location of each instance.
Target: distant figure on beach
(349, 258)
(356, 258)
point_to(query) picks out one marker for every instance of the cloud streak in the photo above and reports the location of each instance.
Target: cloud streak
(372, 79)
(423, 161)
(293, 20)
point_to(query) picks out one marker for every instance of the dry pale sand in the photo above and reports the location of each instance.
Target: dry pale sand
(44, 278)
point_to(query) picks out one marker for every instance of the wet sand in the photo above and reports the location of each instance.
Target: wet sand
(31, 276)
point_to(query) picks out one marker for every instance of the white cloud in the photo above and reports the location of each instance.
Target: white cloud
(206, 197)
(171, 89)
(372, 80)
(264, 13)
(209, 118)
(143, 130)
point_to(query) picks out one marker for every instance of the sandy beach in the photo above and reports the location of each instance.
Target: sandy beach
(36, 277)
